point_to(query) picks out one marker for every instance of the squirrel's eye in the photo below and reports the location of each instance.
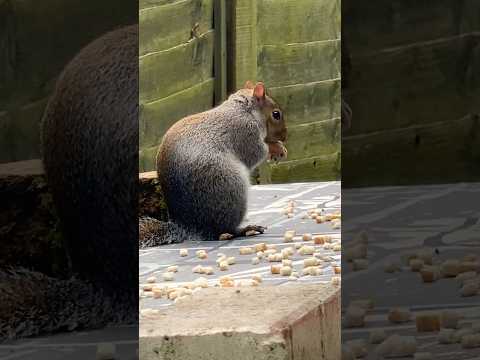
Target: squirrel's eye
(276, 115)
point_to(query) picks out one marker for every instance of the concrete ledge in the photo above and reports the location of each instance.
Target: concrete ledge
(295, 322)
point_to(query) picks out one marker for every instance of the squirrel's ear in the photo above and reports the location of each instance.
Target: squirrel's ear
(259, 91)
(249, 85)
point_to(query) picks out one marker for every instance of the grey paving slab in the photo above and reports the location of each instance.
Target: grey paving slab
(401, 220)
(266, 205)
(74, 345)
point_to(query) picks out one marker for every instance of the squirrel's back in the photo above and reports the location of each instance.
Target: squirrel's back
(204, 163)
(231, 128)
(90, 154)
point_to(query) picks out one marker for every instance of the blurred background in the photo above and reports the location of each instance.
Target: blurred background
(194, 53)
(413, 83)
(410, 171)
(37, 39)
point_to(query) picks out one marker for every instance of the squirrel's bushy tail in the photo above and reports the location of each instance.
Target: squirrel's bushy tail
(153, 232)
(34, 303)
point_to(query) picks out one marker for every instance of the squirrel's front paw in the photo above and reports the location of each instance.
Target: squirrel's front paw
(277, 151)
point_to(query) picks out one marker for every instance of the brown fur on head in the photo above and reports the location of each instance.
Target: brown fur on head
(276, 128)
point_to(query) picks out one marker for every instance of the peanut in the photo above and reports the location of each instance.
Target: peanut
(285, 271)
(168, 276)
(246, 251)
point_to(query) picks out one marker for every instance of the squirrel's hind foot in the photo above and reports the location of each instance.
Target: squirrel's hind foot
(250, 230)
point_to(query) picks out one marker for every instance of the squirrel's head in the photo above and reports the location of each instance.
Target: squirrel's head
(275, 121)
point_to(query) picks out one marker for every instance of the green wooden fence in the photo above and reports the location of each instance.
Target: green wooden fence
(37, 39)
(293, 46)
(191, 54)
(414, 90)
(176, 67)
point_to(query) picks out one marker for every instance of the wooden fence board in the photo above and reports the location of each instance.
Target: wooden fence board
(444, 150)
(163, 27)
(297, 21)
(318, 168)
(305, 103)
(317, 138)
(169, 71)
(244, 48)
(280, 65)
(20, 132)
(220, 55)
(411, 85)
(156, 117)
(146, 158)
(379, 24)
(50, 39)
(145, 4)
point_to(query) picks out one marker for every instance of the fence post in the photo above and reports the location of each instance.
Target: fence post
(220, 52)
(244, 46)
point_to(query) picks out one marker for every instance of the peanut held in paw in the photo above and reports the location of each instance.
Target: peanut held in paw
(277, 151)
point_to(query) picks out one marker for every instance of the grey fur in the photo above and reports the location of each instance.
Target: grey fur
(90, 153)
(204, 171)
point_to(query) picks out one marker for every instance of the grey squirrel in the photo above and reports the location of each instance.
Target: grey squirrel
(204, 163)
(90, 155)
